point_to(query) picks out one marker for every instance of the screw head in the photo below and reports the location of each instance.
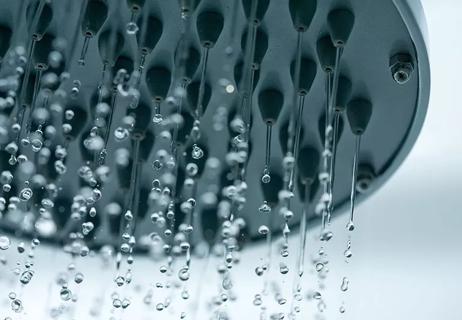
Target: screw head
(401, 67)
(365, 177)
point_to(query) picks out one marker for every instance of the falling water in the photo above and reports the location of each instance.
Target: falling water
(146, 172)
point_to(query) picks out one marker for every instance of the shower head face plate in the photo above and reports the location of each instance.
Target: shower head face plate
(381, 30)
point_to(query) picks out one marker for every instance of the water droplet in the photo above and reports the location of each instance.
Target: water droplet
(326, 235)
(157, 118)
(119, 280)
(125, 303)
(45, 227)
(116, 303)
(26, 276)
(237, 125)
(197, 153)
(21, 248)
(94, 143)
(69, 114)
(319, 266)
(263, 230)
(266, 178)
(350, 226)
(257, 301)
(348, 254)
(92, 212)
(87, 227)
(283, 269)
(16, 305)
(229, 88)
(36, 145)
(345, 283)
(227, 283)
(157, 165)
(321, 306)
(25, 194)
(4, 243)
(121, 134)
(128, 215)
(259, 271)
(185, 294)
(125, 248)
(6, 177)
(264, 208)
(183, 274)
(78, 278)
(192, 169)
(47, 203)
(132, 28)
(65, 294)
(60, 167)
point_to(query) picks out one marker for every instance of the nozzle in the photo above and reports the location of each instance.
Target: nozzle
(308, 164)
(302, 13)
(359, 113)
(343, 93)
(94, 17)
(340, 23)
(149, 37)
(270, 102)
(5, 38)
(326, 53)
(262, 7)
(209, 27)
(39, 15)
(158, 79)
(308, 70)
(110, 45)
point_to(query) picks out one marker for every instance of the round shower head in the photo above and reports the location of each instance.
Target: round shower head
(160, 146)
(141, 136)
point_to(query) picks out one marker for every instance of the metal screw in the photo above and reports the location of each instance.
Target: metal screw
(401, 66)
(365, 177)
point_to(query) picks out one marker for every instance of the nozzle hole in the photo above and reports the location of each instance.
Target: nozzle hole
(401, 77)
(363, 185)
(208, 44)
(137, 135)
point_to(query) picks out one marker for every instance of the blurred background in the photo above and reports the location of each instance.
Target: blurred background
(407, 253)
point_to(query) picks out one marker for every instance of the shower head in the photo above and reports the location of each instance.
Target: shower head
(158, 128)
